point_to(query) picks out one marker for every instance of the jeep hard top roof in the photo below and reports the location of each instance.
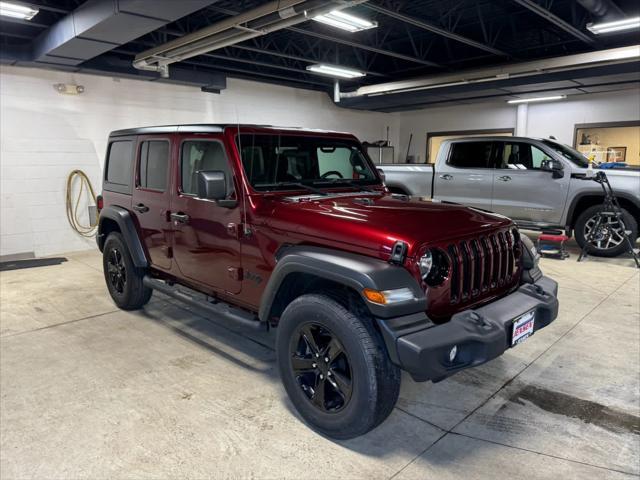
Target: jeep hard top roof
(213, 128)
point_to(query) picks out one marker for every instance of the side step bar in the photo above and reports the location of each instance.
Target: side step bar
(219, 309)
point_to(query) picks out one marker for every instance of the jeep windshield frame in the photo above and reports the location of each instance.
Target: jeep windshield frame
(292, 162)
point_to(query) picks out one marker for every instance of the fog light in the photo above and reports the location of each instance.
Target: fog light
(452, 353)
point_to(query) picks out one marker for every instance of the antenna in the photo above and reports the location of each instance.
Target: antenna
(245, 227)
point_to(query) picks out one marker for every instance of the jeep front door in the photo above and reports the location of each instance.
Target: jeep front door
(206, 244)
(150, 198)
(465, 176)
(522, 190)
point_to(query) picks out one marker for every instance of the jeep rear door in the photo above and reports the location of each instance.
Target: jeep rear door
(206, 245)
(150, 197)
(464, 173)
(521, 190)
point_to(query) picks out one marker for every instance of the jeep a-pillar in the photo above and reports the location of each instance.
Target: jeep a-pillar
(294, 229)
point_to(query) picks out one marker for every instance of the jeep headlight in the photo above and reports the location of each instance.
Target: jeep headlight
(434, 267)
(425, 264)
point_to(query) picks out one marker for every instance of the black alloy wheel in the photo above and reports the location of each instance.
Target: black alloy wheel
(321, 367)
(117, 270)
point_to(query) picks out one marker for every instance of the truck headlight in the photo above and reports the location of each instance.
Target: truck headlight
(425, 264)
(434, 267)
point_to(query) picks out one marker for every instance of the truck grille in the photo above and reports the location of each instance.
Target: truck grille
(483, 264)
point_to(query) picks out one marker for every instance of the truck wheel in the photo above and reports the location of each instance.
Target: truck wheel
(334, 367)
(124, 280)
(609, 240)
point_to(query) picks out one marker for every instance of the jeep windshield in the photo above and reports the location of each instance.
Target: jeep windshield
(293, 162)
(569, 153)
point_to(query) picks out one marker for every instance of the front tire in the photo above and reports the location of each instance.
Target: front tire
(609, 241)
(334, 367)
(124, 279)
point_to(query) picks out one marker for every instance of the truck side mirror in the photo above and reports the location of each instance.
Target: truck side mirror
(553, 166)
(212, 185)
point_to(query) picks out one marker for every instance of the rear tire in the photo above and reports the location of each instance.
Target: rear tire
(610, 235)
(335, 367)
(123, 278)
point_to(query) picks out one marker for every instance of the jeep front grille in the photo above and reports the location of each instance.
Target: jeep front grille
(482, 264)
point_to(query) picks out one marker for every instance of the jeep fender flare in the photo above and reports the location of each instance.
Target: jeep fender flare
(128, 230)
(349, 269)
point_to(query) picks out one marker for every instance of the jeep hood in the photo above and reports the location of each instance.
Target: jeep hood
(376, 222)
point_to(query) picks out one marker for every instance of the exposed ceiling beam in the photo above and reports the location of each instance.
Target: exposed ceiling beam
(334, 39)
(434, 29)
(361, 46)
(557, 21)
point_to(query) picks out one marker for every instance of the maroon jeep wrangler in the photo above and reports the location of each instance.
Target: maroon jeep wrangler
(295, 229)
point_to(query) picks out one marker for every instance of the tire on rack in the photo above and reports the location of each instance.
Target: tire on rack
(335, 367)
(609, 242)
(123, 278)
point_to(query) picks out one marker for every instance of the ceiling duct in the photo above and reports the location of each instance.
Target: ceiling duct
(268, 18)
(601, 8)
(99, 26)
(503, 72)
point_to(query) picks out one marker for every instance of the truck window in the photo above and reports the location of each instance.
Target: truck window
(119, 160)
(470, 155)
(154, 160)
(521, 156)
(202, 155)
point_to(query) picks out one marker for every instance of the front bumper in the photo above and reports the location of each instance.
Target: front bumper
(422, 348)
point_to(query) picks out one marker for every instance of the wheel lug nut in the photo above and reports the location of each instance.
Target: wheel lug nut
(317, 355)
(326, 359)
(314, 365)
(321, 376)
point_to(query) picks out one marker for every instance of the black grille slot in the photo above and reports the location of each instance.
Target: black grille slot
(466, 271)
(455, 274)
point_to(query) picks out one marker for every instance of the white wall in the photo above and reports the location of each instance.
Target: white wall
(45, 135)
(542, 119)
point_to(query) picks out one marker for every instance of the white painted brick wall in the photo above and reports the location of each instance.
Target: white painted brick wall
(45, 135)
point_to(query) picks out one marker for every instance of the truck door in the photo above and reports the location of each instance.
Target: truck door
(464, 173)
(150, 198)
(521, 190)
(206, 244)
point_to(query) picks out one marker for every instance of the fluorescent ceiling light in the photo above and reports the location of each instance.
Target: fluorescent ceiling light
(617, 26)
(335, 71)
(345, 21)
(537, 99)
(16, 10)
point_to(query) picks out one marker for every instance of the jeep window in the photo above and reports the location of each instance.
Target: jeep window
(154, 161)
(119, 162)
(200, 155)
(521, 156)
(279, 162)
(569, 153)
(470, 154)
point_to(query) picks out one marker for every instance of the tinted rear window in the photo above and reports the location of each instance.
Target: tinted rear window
(470, 155)
(154, 160)
(119, 163)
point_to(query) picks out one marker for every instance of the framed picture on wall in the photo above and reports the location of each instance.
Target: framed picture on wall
(616, 154)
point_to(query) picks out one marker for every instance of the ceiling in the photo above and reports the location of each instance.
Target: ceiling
(414, 38)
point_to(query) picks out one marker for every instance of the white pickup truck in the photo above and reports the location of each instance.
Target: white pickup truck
(536, 182)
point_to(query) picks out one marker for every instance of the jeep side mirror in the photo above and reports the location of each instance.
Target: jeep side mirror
(553, 166)
(212, 185)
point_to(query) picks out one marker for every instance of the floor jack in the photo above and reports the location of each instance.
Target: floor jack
(610, 208)
(551, 244)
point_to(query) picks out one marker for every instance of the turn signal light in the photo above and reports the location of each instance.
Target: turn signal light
(374, 296)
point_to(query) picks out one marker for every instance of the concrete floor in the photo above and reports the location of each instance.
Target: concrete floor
(88, 391)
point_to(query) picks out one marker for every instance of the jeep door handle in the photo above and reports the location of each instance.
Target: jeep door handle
(446, 176)
(504, 178)
(180, 217)
(141, 208)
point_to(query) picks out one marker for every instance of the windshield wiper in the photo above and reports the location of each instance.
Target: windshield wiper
(295, 184)
(347, 183)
